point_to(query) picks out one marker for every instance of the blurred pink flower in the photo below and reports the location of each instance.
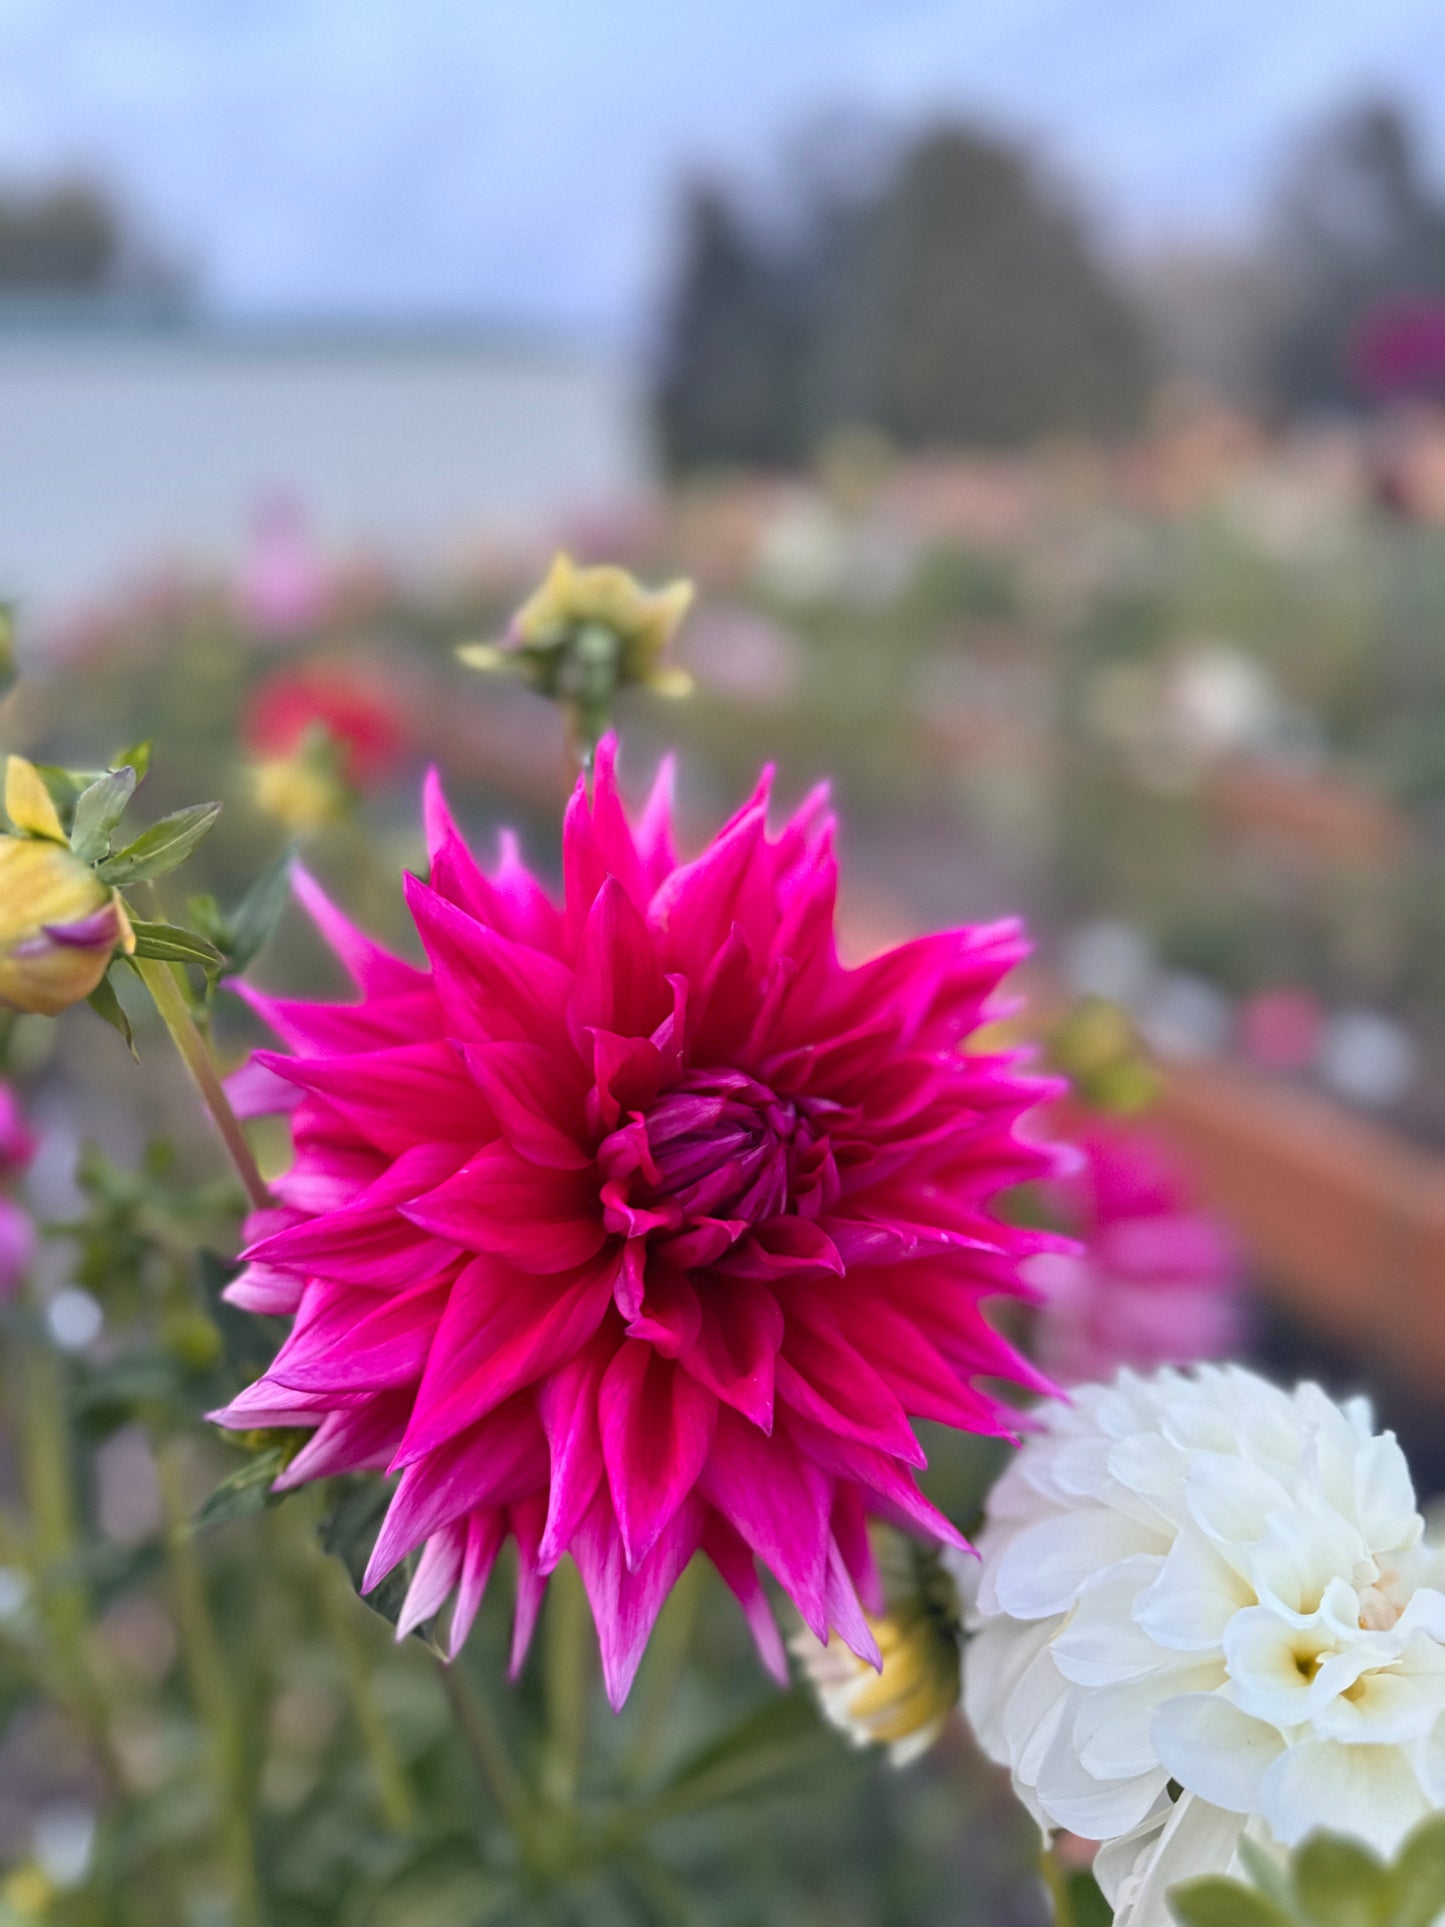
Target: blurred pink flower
(17, 1146)
(1397, 347)
(284, 589)
(639, 1226)
(1280, 1030)
(1157, 1281)
(17, 1233)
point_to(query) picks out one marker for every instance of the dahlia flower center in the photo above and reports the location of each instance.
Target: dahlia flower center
(716, 1155)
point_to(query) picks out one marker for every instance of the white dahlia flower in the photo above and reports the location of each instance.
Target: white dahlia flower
(1206, 1608)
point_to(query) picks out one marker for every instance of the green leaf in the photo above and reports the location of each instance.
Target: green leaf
(1417, 1884)
(104, 1002)
(348, 1530)
(66, 785)
(1267, 1874)
(1216, 1902)
(1089, 1905)
(247, 1490)
(169, 943)
(138, 757)
(259, 911)
(1339, 1883)
(98, 810)
(163, 847)
(9, 667)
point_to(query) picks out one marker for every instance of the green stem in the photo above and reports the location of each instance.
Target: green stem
(50, 1494)
(662, 1669)
(398, 1809)
(1056, 1881)
(567, 1632)
(206, 1670)
(484, 1743)
(166, 994)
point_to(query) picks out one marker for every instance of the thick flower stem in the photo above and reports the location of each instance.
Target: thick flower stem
(567, 1631)
(206, 1669)
(1056, 1881)
(160, 980)
(484, 1743)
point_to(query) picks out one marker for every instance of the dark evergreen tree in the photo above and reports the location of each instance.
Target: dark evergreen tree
(956, 304)
(1358, 223)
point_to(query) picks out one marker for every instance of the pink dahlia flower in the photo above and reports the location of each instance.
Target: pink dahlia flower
(1156, 1280)
(638, 1226)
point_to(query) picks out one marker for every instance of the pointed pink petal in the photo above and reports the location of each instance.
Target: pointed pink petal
(495, 1463)
(779, 1502)
(740, 1574)
(737, 1347)
(619, 984)
(625, 1604)
(657, 1426)
(490, 987)
(567, 1404)
(541, 1220)
(501, 1330)
(373, 969)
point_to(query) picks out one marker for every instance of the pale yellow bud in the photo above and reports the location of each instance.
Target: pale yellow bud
(906, 1705)
(59, 924)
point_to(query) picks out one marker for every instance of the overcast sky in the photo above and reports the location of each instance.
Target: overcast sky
(520, 159)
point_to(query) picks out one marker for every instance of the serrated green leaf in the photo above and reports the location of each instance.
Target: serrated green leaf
(1417, 1882)
(169, 943)
(259, 911)
(1217, 1902)
(1339, 1883)
(246, 1491)
(163, 847)
(104, 1002)
(138, 756)
(97, 811)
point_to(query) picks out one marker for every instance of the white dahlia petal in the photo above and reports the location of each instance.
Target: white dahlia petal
(1370, 1791)
(1206, 1604)
(1209, 1745)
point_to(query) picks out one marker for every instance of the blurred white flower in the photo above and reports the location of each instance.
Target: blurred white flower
(1186, 1016)
(1109, 958)
(1207, 1608)
(1367, 1057)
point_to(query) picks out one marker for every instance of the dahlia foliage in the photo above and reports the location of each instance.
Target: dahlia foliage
(637, 1225)
(1207, 1613)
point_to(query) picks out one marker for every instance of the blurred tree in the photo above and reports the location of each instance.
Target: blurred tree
(1358, 223)
(69, 239)
(957, 302)
(729, 388)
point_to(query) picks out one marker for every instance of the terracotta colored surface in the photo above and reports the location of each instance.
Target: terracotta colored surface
(1345, 1219)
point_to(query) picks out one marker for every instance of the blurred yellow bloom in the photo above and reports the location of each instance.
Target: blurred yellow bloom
(28, 1892)
(59, 924)
(905, 1706)
(1098, 1049)
(305, 791)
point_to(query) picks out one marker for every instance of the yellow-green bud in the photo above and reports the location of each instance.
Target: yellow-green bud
(59, 926)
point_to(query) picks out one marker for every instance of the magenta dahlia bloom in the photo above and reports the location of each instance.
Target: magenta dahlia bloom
(1156, 1280)
(638, 1226)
